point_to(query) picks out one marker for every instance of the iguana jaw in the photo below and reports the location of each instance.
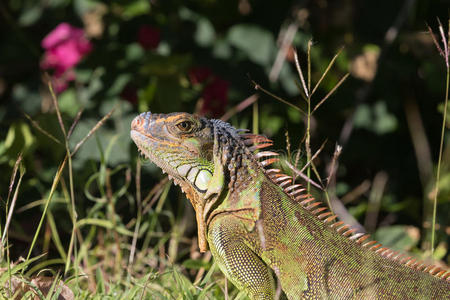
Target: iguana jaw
(145, 145)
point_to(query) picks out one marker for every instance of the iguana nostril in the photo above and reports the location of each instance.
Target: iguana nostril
(137, 122)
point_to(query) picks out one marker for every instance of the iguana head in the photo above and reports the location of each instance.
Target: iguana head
(192, 150)
(180, 144)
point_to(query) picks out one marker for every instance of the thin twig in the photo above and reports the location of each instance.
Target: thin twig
(444, 41)
(47, 202)
(75, 122)
(314, 156)
(255, 118)
(258, 87)
(433, 37)
(306, 178)
(43, 131)
(300, 89)
(145, 286)
(330, 92)
(326, 70)
(300, 73)
(139, 213)
(92, 131)
(55, 103)
(288, 144)
(13, 175)
(441, 147)
(309, 114)
(154, 194)
(13, 202)
(331, 170)
(297, 155)
(309, 68)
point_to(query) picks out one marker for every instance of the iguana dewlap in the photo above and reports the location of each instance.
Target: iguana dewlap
(259, 225)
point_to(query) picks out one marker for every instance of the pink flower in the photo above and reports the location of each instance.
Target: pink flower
(199, 75)
(149, 37)
(215, 96)
(64, 47)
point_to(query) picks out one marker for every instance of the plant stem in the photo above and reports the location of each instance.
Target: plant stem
(438, 172)
(308, 144)
(308, 129)
(47, 202)
(255, 118)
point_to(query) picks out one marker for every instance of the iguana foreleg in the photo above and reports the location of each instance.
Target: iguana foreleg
(236, 259)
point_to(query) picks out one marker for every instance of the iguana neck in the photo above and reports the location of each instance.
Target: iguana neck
(235, 173)
(241, 194)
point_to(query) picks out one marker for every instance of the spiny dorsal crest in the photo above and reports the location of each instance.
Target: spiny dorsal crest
(235, 151)
(254, 142)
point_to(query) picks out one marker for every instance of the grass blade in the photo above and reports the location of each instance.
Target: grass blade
(92, 131)
(330, 92)
(42, 130)
(300, 74)
(50, 196)
(258, 87)
(13, 202)
(326, 70)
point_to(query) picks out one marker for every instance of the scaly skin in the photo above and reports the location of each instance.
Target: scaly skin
(260, 228)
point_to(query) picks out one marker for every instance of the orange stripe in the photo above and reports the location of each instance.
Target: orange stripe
(166, 119)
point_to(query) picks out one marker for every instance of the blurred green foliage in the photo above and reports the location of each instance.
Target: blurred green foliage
(238, 41)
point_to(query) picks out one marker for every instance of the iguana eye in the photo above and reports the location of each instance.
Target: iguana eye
(184, 126)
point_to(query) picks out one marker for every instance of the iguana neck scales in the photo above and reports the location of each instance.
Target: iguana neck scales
(259, 225)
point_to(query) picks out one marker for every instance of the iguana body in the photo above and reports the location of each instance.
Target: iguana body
(259, 226)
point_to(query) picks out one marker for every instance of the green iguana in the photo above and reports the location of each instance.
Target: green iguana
(259, 225)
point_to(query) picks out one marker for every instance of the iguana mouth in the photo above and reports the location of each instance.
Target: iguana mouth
(197, 174)
(142, 141)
